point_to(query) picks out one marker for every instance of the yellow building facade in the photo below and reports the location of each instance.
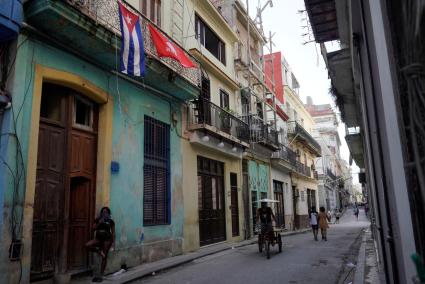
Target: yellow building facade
(304, 177)
(214, 138)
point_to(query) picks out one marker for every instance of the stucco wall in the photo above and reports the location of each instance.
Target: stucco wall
(216, 22)
(280, 175)
(190, 153)
(124, 194)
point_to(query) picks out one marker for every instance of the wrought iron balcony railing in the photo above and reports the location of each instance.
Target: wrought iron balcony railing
(295, 129)
(203, 112)
(303, 169)
(260, 131)
(330, 174)
(105, 12)
(286, 154)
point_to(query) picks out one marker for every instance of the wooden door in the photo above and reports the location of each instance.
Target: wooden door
(309, 204)
(47, 200)
(65, 178)
(254, 206)
(245, 197)
(279, 210)
(49, 188)
(79, 222)
(83, 148)
(212, 218)
(234, 204)
(294, 206)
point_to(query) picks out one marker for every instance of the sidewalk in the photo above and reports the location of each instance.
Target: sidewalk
(167, 263)
(367, 269)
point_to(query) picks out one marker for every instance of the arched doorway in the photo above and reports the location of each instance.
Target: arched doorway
(64, 198)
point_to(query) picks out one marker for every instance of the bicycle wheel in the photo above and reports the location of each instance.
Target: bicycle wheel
(279, 242)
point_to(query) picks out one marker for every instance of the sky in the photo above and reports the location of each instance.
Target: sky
(287, 20)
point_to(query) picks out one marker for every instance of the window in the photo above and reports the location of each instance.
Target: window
(83, 113)
(224, 100)
(246, 103)
(152, 10)
(205, 88)
(210, 40)
(260, 110)
(51, 106)
(156, 173)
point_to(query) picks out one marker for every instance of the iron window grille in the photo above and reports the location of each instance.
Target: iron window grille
(156, 173)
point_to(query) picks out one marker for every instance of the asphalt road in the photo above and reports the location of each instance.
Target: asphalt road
(302, 260)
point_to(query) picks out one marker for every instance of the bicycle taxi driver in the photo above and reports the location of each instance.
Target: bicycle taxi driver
(265, 217)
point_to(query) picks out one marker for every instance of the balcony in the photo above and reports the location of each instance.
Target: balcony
(242, 62)
(330, 174)
(286, 154)
(91, 28)
(261, 132)
(206, 115)
(296, 131)
(354, 139)
(290, 158)
(241, 55)
(303, 169)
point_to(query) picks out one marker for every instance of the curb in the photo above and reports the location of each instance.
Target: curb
(136, 275)
(361, 260)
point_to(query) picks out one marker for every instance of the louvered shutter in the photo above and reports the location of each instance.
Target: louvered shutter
(148, 195)
(156, 172)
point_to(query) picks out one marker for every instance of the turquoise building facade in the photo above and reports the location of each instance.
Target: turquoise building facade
(62, 46)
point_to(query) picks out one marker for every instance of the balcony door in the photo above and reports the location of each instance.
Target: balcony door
(203, 105)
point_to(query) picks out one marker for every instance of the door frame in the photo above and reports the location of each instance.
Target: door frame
(221, 178)
(44, 74)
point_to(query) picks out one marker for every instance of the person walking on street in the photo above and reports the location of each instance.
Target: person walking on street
(313, 222)
(323, 223)
(356, 212)
(337, 216)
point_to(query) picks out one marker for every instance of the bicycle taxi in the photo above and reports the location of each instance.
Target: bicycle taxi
(268, 234)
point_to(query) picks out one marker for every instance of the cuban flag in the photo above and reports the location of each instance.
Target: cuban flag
(132, 50)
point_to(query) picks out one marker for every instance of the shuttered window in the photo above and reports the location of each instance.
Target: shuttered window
(156, 174)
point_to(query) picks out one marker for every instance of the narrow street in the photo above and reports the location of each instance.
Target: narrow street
(302, 260)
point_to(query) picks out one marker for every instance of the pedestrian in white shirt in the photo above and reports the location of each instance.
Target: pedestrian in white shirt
(313, 222)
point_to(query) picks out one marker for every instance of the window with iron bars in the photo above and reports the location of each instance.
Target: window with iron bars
(156, 173)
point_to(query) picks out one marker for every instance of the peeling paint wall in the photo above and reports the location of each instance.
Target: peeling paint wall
(125, 190)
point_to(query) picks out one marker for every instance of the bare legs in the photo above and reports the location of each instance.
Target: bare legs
(105, 249)
(315, 233)
(102, 248)
(323, 232)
